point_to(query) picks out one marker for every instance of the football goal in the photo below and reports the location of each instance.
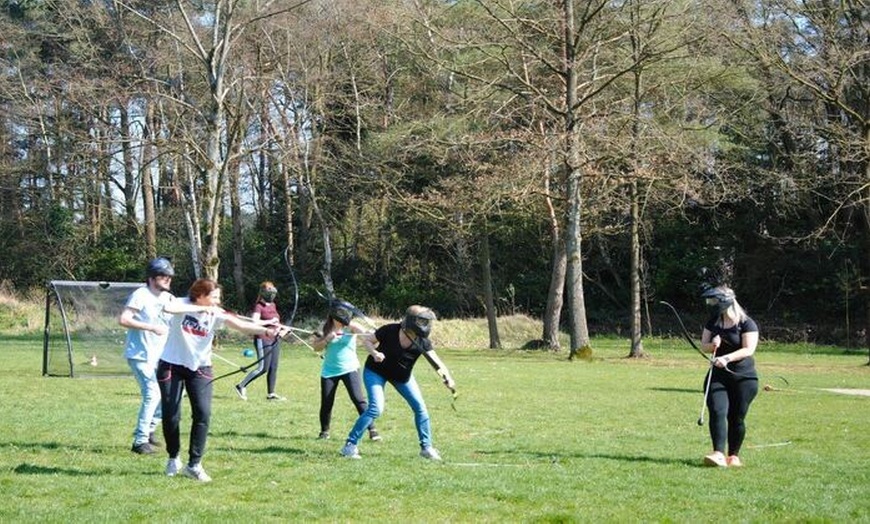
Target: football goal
(82, 337)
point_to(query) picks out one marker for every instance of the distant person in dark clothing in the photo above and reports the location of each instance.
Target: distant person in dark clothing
(268, 348)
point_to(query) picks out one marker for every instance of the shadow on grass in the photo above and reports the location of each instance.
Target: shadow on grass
(267, 450)
(554, 459)
(33, 469)
(255, 450)
(52, 446)
(233, 433)
(677, 390)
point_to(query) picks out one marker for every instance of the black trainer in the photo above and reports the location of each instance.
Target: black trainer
(153, 441)
(143, 449)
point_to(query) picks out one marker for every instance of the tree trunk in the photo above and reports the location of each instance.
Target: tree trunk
(636, 320)
(579, 331)
(127, 160)
(290, 190)
(865, 287)
(148, 159)
(238, 239)
(184, 180)
(552, 313)
(488, 293)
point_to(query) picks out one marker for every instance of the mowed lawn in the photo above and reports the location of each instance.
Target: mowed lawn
(533, 438)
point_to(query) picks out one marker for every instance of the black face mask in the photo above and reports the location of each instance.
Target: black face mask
(341, 315)
(420, 325)
(715, 307)
(268, 296)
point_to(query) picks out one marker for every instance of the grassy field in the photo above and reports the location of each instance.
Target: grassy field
(534, 438)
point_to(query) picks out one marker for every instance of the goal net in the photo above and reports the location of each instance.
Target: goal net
(82, 337)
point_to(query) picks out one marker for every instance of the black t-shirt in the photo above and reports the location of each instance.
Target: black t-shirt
(732, 340)
(398, 361)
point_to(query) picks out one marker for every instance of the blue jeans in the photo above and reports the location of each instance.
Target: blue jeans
(409, 390)
(149, 409)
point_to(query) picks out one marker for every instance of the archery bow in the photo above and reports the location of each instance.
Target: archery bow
(288, 327)
(686, 331)
(295, 285)
(704, 355)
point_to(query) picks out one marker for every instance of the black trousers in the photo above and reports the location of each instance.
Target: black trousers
(174, 380)
(328, 386)
(272, 352)
(728, 403)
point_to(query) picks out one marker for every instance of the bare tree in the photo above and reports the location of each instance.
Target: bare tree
(208, 118)
(558, 62)
(813, 58)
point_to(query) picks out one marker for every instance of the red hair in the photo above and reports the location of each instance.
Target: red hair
(201, 287)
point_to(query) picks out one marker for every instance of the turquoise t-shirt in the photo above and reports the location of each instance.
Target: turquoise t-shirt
(340, 356)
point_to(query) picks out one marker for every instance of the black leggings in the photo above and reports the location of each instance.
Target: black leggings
(728, 401)
(328, 386)
(174, 380)
(272, 350)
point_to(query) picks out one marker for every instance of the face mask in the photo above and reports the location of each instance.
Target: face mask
(715, 307)
(341, 315)
(268, 296)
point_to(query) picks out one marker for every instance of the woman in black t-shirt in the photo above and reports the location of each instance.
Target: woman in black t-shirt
(731, 336)
(393, 351)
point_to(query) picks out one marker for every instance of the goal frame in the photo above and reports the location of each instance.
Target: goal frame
(53, 297)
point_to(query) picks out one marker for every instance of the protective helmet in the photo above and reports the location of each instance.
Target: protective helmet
(341, 311)
(418, 320)
(160, 266)
(719, 298)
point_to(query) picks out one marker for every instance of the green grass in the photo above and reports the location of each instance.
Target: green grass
(535, 438)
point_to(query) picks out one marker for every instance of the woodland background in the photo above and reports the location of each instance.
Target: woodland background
(577, 161)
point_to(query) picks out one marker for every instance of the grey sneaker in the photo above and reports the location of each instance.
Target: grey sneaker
(173, 466)
(143, 449)
(324, 435)
(196, 473)
(275, 396)
(153, 441)
(430, 453)
(350, 451)
(241, 392)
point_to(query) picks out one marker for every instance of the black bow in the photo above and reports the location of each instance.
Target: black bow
(686, 331)
(688, 337)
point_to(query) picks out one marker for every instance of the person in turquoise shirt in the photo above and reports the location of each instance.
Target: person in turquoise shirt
(340, 364)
